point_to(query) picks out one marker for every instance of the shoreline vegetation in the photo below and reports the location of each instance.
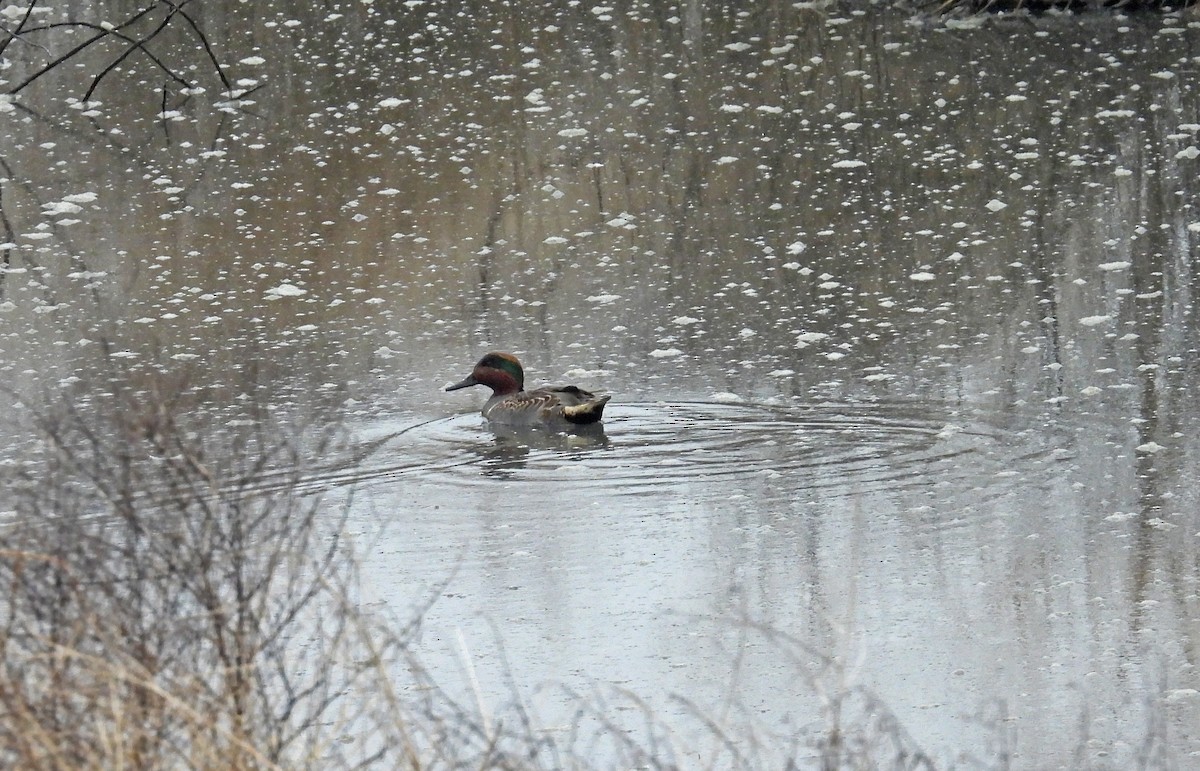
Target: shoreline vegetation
(1050, 6)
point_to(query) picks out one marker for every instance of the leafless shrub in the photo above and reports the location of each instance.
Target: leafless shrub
(158, 611)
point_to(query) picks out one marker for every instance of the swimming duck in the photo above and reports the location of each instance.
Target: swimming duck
(558, 407)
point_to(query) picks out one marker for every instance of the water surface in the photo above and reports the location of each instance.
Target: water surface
(897, 316)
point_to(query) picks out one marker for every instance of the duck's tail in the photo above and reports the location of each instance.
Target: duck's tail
(588, 412)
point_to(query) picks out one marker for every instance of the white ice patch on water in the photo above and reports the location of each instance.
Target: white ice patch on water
(922, 276)
(666, 353)
(1094, 321)
(55, 208)
(286, 290)
(995, 205)
(579, 373)
(949, 431)
(604, 299)
(849, 164)
(805, 339)
(725, 397)
(1113, 266)
(1180, 694)
(1150, 447)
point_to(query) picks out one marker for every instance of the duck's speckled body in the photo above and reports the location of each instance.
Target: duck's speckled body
(558, 408)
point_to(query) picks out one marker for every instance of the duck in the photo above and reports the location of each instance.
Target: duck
(559, 408)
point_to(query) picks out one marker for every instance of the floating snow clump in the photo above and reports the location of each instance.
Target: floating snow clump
(571, 133)
(253, 61)
(1150, 447)
(1094, 321)
(725, 397)
(1111, 266)
(60, 207)
(922, 276)
(665, 353)
(995, 205)
(849, 164)
(805, 339)
(286, 290)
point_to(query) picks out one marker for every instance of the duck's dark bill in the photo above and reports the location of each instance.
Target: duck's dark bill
(470, 381)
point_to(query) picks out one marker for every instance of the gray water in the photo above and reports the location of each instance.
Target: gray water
(897, 317)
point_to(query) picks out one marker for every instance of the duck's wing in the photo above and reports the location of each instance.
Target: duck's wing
(523, 407)
(568, 395)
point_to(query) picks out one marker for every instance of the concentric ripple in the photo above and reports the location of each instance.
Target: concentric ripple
(836, 448)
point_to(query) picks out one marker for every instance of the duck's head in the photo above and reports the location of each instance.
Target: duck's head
(499, 371)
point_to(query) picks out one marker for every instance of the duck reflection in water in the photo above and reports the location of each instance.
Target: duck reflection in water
(514, 449)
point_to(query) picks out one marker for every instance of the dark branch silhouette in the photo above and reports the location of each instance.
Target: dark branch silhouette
(174, 14)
